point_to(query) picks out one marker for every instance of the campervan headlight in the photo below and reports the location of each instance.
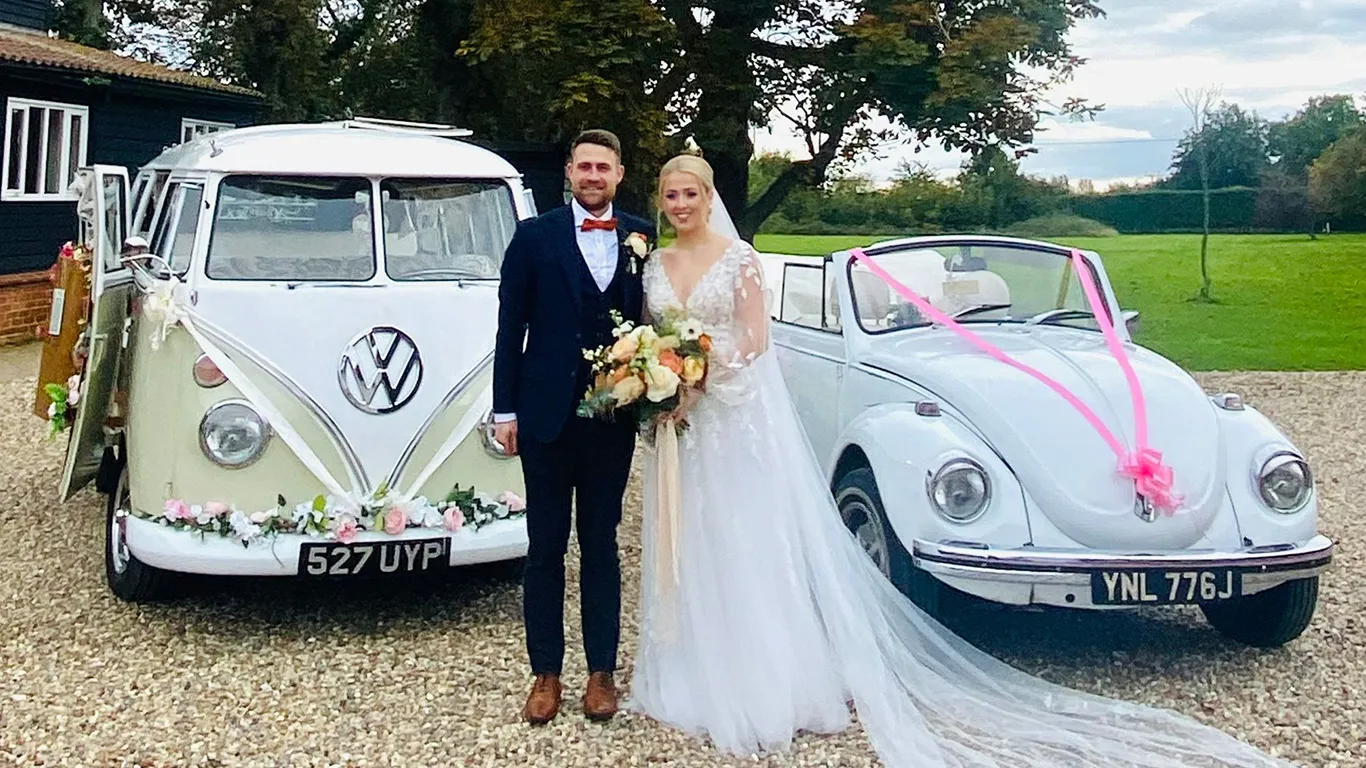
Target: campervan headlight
(233, 435)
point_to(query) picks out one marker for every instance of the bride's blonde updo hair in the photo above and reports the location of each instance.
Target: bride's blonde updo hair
(691, 164)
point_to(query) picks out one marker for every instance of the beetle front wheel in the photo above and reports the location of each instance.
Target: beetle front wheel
(861, 509)
(128, 577)
(1267, 619)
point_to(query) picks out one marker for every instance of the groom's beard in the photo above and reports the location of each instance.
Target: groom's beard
(594, 199)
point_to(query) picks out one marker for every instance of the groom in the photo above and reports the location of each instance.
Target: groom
(562, 275)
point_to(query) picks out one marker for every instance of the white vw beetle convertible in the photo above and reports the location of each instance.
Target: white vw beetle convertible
(960, 473)
(295, 380)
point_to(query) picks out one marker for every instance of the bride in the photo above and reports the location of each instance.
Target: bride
(762, 616)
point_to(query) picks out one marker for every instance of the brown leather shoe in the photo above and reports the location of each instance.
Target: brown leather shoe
(544, 702)
(600, 700)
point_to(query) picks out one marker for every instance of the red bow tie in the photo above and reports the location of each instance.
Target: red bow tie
(609, 225)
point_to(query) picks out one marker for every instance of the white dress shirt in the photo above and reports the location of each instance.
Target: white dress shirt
(600, 250)
(599, 247)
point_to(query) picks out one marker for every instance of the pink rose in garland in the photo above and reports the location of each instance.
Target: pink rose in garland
(176, 509)
(395, 520)
(347, 530)
(455, 519)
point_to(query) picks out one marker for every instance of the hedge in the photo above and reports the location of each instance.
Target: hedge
(1235, 209)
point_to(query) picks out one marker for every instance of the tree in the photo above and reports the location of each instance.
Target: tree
(1337, 180)
(966, 75)
(560, 66)
(1283, 202)
(298, 53)
(82, 21)
(1295, 143)
(1229, 143)
(1198, 152)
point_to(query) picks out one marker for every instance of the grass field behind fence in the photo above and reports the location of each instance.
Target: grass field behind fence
(1281, 302)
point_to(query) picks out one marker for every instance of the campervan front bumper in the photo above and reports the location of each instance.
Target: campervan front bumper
(415, 551)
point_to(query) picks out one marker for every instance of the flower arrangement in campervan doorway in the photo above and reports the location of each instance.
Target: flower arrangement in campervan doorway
(650, 370)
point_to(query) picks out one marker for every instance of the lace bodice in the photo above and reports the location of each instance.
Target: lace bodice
(728, 301)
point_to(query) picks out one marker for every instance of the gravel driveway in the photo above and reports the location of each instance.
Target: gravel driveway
(281, 674)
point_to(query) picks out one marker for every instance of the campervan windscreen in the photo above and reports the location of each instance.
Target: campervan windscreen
(292, 228)
(436, 229)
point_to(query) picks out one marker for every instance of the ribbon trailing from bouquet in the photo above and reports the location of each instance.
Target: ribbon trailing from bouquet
(668, 501)
(1152, 478)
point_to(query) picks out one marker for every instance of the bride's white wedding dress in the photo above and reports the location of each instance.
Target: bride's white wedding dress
(778, 618)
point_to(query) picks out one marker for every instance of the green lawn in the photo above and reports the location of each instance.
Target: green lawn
(1283, 302)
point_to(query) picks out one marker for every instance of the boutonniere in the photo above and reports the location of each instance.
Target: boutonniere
(640, 248)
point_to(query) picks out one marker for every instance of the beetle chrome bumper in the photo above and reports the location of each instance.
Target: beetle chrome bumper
(1065, 577)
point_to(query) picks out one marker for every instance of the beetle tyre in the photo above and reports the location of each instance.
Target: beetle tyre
(129, 578)
(861, 509)
(1267, 619)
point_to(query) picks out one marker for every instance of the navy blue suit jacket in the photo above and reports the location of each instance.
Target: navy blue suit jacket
(539, 349)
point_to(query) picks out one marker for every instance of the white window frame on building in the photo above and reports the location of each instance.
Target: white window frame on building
(49, 141)
(191, 129)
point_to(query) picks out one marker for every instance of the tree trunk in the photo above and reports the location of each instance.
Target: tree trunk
(83, 21)
(1204, 249)
(804, 173)
(728, 94)
(1204, 239)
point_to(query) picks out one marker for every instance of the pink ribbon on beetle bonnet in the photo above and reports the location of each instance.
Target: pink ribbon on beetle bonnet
(1152, 478)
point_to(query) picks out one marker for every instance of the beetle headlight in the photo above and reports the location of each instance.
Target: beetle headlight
(232, 434)
(1284, 482)
(960, 490)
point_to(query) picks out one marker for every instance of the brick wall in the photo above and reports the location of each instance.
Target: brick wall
(25, 300)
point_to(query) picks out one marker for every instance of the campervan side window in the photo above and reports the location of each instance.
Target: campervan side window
(174, 238)
(446, 229)
(291, 228)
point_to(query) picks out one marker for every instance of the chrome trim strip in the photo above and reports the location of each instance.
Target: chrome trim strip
(354, 469)
(886, 375)
(805, 351)
(1038, 567)
(451, 396)
(945, 405)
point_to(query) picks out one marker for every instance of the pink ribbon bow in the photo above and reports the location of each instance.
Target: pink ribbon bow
(1152, 478)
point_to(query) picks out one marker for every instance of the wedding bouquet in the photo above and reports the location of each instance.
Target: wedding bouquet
(649, 369)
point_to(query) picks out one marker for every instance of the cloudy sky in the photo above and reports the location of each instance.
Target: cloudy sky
(1267, 55)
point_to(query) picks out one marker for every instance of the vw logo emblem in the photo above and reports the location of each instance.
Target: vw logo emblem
(380, 370)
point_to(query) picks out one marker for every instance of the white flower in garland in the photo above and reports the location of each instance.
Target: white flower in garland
(342, 518)
(243, 528)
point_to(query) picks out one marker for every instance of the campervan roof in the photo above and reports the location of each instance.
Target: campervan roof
(352, 148)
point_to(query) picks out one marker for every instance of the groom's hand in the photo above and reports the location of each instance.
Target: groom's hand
(505, 432)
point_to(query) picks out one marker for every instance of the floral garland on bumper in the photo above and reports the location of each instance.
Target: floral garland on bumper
(341, 519)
